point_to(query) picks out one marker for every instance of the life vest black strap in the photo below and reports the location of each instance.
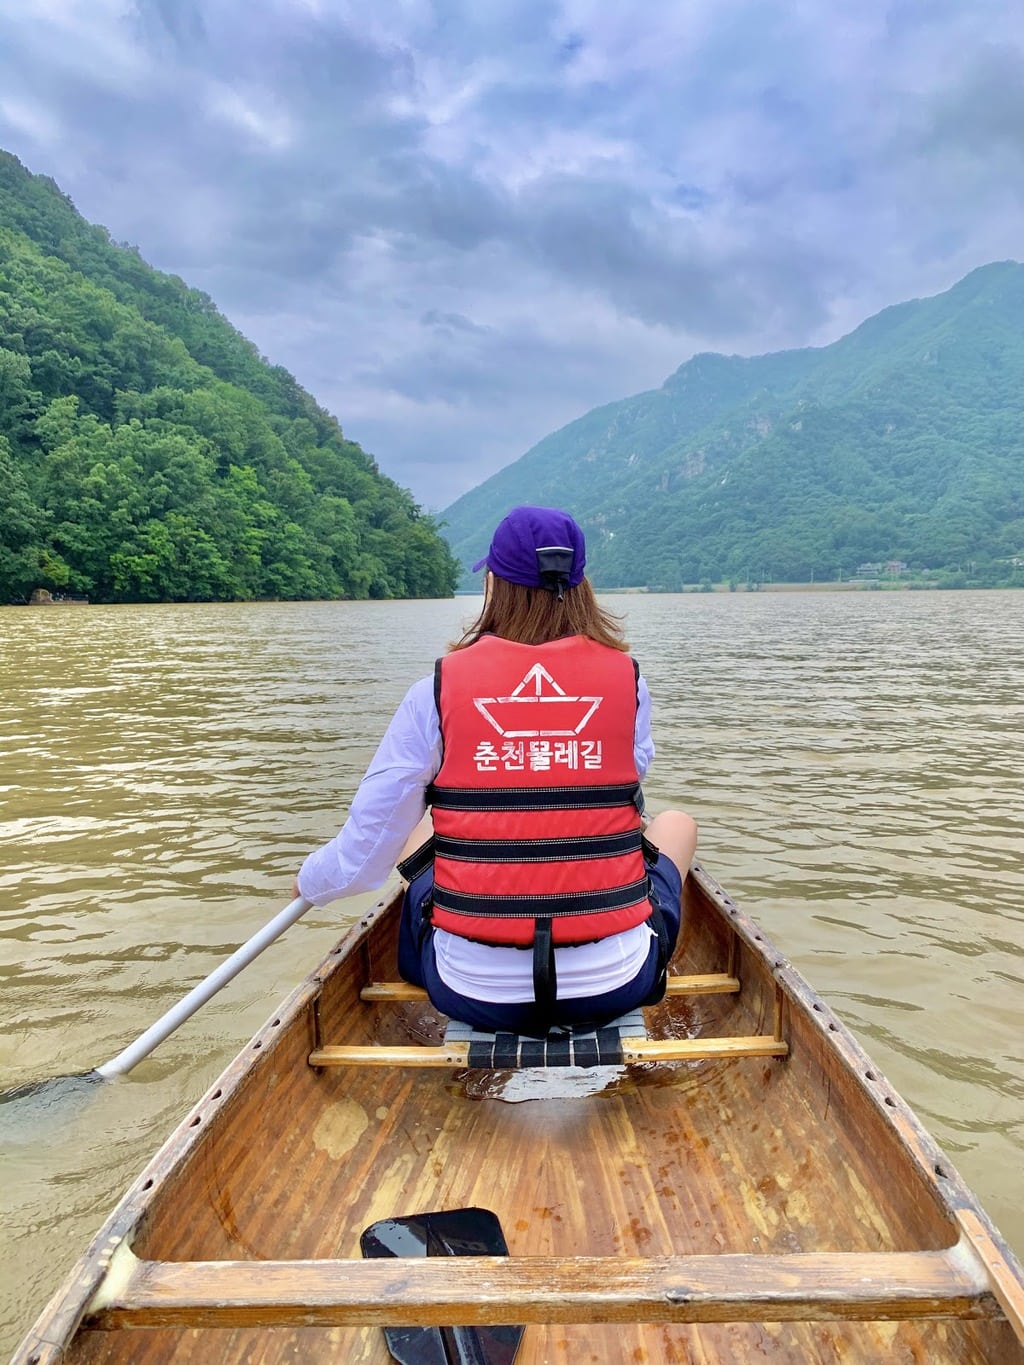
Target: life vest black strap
(657, 923)
(534, 798)
(545, 979)
(437, 702)
(418, 861)
(651, 851)
(560, 905)
(572, 849)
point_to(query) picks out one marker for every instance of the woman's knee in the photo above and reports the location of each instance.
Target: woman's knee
(674, 833)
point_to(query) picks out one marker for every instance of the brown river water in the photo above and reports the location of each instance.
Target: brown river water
(855, 761)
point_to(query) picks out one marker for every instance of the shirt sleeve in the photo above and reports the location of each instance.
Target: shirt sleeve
(643, 741)
(387, 806)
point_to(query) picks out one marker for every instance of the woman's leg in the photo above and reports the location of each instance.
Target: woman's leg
(674, 833)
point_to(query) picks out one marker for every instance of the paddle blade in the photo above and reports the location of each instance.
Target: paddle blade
(28, 1112)
(453, 1232)
(53, 1088)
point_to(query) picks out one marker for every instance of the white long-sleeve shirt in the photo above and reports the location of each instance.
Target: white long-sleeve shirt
(388, 805)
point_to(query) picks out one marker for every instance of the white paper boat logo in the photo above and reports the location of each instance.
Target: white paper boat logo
(538, 706)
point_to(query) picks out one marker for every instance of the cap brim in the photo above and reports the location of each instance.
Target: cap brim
(479, 565)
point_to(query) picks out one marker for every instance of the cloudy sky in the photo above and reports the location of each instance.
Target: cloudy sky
(463, 223)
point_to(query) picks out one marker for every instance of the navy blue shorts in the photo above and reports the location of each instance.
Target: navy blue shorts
(417, 964)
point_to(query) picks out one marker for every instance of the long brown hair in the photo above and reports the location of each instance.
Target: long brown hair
(534, 616)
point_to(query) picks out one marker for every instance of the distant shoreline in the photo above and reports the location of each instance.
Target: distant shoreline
(846, 585)
(688, 590)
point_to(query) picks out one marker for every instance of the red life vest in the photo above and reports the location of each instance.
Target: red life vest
(536, 806)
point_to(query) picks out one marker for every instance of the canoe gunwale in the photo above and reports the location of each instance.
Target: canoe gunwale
(788, 1002)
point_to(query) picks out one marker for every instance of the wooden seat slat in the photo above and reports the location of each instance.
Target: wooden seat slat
(634, 1050)
(710, 983)
(392, 990)
(720, 1288)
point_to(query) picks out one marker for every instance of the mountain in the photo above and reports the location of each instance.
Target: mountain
(149, 453)
(901, 442)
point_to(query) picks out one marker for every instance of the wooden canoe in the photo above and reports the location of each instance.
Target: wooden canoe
(745, 1185)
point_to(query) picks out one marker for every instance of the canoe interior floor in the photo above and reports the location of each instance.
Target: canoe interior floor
(697, 1159)
(677, 1159)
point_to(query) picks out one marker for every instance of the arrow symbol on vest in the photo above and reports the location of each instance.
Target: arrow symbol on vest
(545, 710)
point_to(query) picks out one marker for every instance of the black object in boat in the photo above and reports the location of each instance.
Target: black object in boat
(450, 1232)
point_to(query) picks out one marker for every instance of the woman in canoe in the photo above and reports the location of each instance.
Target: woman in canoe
(535, 897)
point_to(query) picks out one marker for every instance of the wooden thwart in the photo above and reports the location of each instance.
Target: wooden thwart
(712, 983)
(634, 1050)
(723, 1288)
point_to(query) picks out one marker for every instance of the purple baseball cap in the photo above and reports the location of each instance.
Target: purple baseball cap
(536, 547)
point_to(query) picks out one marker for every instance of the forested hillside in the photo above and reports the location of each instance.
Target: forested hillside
(148, 452)
(901, 443)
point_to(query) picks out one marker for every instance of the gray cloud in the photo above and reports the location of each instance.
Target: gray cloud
(983, 111)
(461, 225)
(181, 20)
(446, 323)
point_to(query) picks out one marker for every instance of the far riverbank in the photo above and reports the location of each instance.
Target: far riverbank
(844, 585)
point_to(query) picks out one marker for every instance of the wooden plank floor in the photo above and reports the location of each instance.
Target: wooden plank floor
(936, 1343)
